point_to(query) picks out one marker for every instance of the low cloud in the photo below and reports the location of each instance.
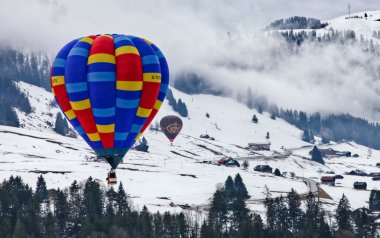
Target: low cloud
(218, 39)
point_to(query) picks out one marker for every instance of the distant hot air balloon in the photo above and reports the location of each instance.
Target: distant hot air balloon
(110, 87)
(171, 126)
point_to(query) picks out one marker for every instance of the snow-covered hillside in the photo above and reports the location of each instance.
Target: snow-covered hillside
(174, 177)
(361, 25)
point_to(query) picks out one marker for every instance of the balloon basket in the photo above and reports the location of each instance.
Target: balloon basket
(111, 178)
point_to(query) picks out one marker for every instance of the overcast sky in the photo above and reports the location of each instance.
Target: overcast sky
(193, 36)
(46, 24)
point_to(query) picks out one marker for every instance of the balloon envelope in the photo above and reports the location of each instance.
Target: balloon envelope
(171, 126)
(110, 87)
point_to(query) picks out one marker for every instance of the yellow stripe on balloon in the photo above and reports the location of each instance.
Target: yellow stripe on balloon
(87, 40)
(138, 136)
(149, 43)
(70, 114)
(94, 137)
(57, 80)
(101, 58)
(152, 77)
(143, 112)
(157, 105)
(81, 105)
(109, 36)
(129, 85)
(106, 128)
(126, 50)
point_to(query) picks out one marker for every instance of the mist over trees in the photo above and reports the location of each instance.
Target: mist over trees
(11, 97)
(31, 68)
(296, 22)
(18, 66)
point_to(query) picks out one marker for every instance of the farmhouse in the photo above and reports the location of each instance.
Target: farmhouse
(331, 153)
(357, 173)
(259, 146)
(360, 185)
(328, 180)
(263, 168)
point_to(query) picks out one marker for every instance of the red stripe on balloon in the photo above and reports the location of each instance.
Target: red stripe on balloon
(104, 45)
(149, 94)
(87, 121)
(85, 116)
(61, 96)
(128, 68)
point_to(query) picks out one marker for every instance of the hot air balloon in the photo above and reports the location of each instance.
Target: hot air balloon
(110, 87)
(171, 126)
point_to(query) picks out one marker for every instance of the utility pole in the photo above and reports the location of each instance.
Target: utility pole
(349, 10)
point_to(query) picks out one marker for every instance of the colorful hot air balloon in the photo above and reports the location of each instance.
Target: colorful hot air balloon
(171, 126)
(110, 87)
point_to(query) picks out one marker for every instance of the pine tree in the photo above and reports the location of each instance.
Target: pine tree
(146, 223)
(343, 214)
(181, 108)
(240, 188)
(182, 225)
(295, 211)
(19, 231)
(306, 136)
(364, 226)
(239, 212)
(267, 136)
(206, 231)
(229, 188)
(50, 226)
(254, 119)
(218, 214)
(311, 216)
(61, 211)
(41, 190)
(61, 126)
(157, 225)
(260, 110)
(324, 230)
(270, 213)
(374, 200)
(282, 221)
(111, 204)
(277, 172)
(273, 116)
(258, 226)
(122, 203)
(316, 155)
(92, 199)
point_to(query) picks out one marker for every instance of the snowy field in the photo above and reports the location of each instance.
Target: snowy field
(174, 177)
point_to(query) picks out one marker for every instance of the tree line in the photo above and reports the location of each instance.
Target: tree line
(296, 22)
(334, 127)
(178, 106)
(11, 97)
(31, 68)
(87, 209)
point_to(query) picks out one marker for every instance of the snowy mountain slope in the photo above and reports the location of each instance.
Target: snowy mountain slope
(361, 26)
(43, 113)
(169, 176)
